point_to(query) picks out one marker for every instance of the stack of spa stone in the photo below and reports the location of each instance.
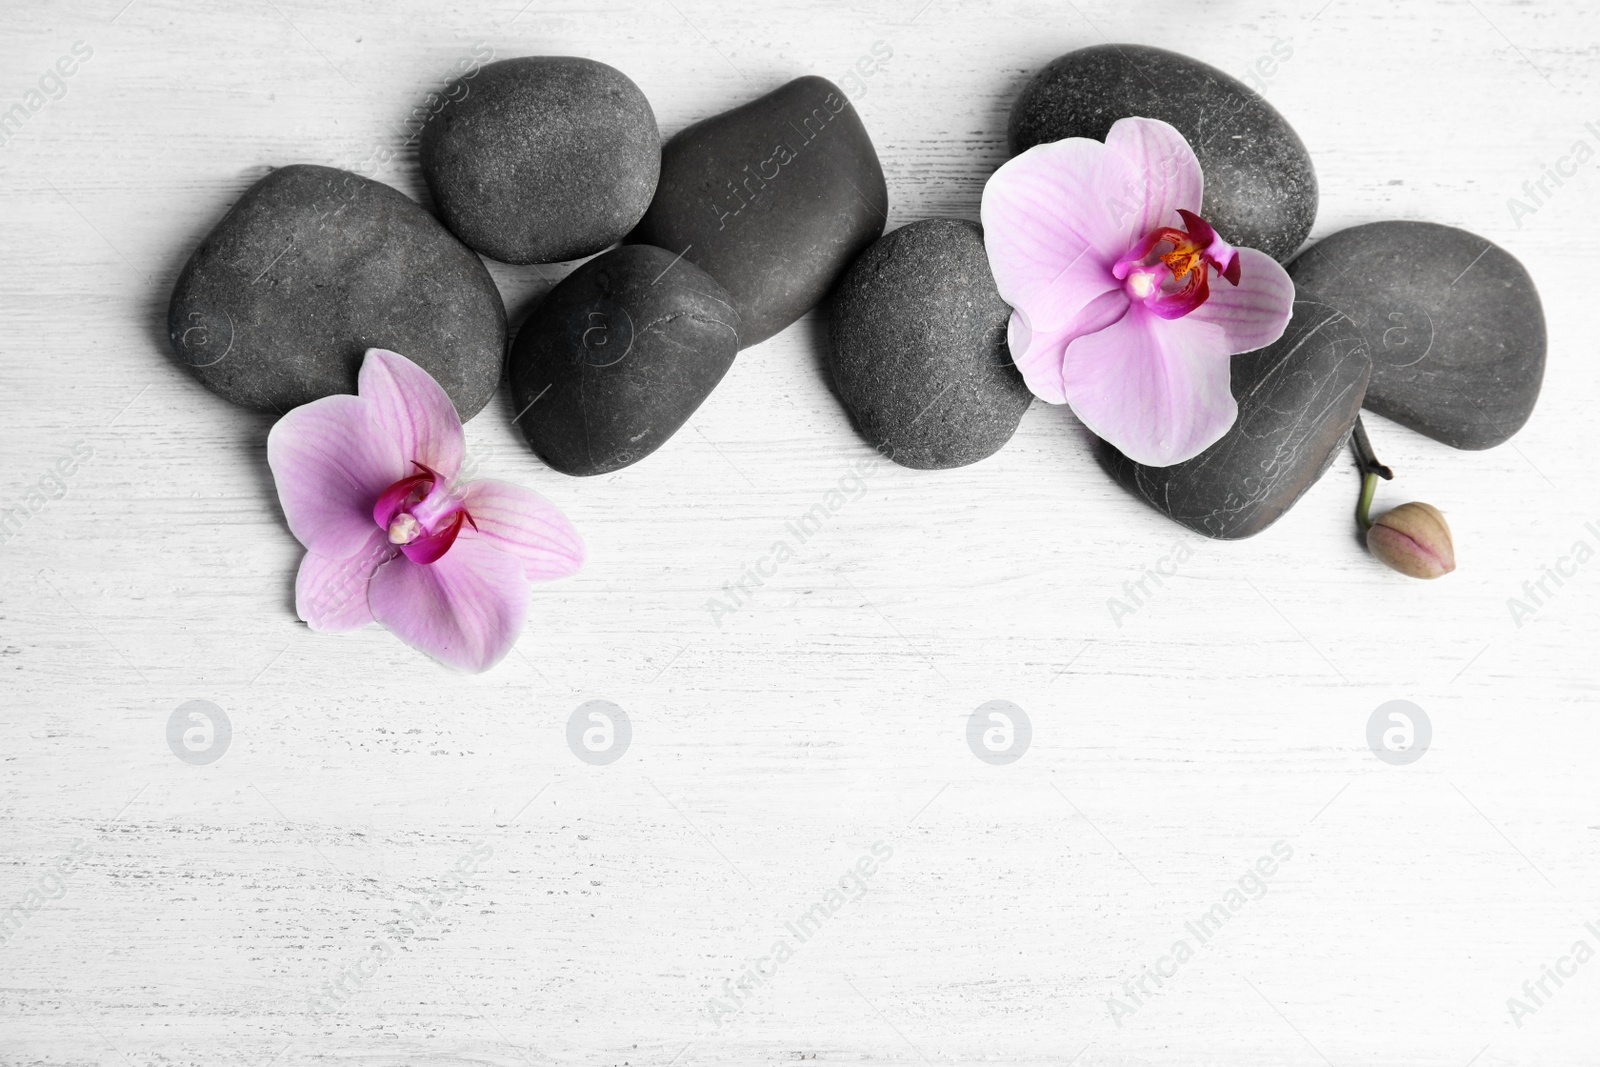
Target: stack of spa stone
(1432, 326)
(737, 228)
(746, 220)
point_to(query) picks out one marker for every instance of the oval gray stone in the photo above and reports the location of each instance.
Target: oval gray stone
(1454, 323)
(918, 348)
(312, 267)
(773, 199)
(542, 158)
(1298, 401)
(618, 356)
(1260, 188)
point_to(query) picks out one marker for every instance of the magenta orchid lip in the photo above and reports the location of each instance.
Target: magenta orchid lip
(1175, 282)
(421, 515)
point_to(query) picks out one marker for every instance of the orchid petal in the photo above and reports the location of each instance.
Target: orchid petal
(1255, 312)
(464, 610)
(331, 594)
(1049, 231)
(1038, 354)
(1038, 357)
(414, 410)
(523, 524)
(1220, 253)
(1156, 389)
(1155, 173)
(1198, 228)
(331, 464)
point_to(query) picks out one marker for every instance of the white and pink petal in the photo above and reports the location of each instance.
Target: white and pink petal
(523, 524)
(1049, 232)
(331, 594)
(1039, 354)
(1152, 173)
(331, 463)
(1254, 313)
(1156, 389)
(414, 411)
(465, 610)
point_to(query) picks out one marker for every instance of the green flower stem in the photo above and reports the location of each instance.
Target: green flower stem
(1371, 471)
(1369, 489)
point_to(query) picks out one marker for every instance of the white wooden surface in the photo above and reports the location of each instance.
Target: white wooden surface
(587, 915)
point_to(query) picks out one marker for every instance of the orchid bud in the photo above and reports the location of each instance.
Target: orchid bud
(1413, 539)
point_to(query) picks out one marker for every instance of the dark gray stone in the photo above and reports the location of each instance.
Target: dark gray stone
(773, 199)
(618, 356)
(918, 348)
(542, 158)
(312, 267)
(1298, 401)
(1260, 189)
(1454, 323)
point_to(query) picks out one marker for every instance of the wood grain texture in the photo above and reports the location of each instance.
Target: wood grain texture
(515, 905)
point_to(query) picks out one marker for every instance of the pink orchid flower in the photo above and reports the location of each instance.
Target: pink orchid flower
(367, 484)
(1101, 252)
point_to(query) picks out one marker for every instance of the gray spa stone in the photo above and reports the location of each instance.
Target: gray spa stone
(312, 267)
(618, 356)
(1260, 188)
(774, 199)
(1298, 401)
(1454, 323)
(542, 158)
(918, 348)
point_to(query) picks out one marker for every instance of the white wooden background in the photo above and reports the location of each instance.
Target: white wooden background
(599, 909)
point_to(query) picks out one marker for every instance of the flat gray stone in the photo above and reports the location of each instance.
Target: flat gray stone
(1454, 323)
(773, 199)
(1298, 401)
(542, 158)
(618, 356)
(1260, 188)
(918, 348)
(312, 267)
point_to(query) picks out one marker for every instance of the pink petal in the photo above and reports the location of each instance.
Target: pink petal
(331, 594)
(1049, 233)
(524, 524)
(1156, 389)
(1198, 228)
(1254, 313)
(1152, 173)
(465, 610)
(331, 463)
(1038, 355)
(414, 410)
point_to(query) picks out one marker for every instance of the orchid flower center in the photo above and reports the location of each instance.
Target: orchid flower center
(404, 529)
(421, 515)
(1169, 270)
